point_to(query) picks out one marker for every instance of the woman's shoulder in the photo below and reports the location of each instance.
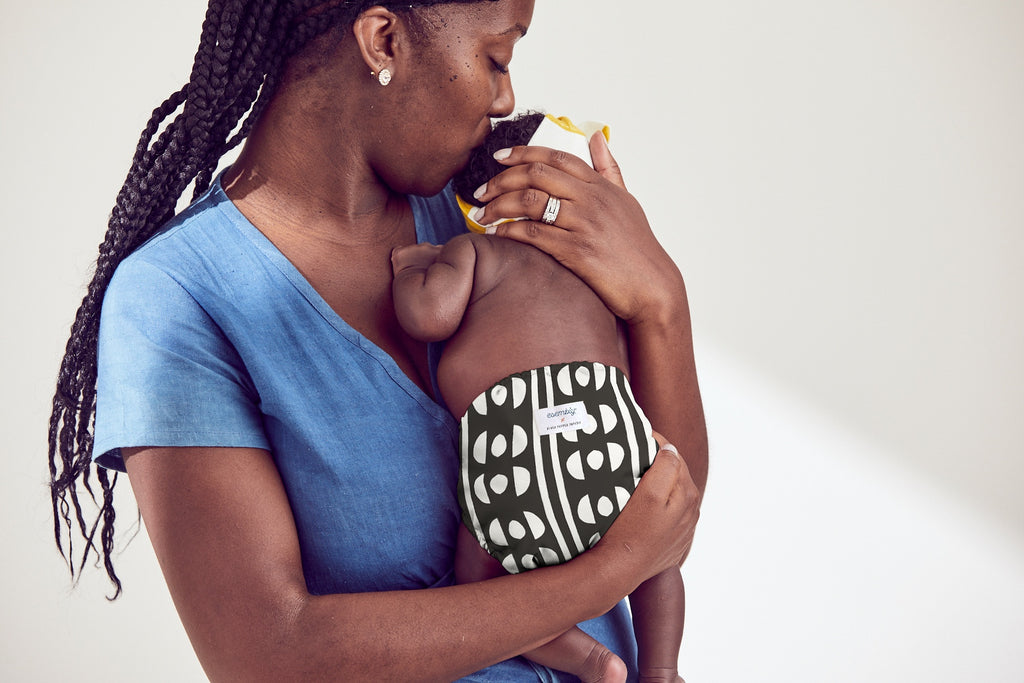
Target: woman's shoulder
(197, 233)
(208, 250)
(161, 283)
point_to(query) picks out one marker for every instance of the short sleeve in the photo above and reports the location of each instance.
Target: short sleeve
(167, 375)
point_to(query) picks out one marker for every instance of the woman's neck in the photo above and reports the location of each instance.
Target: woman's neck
(299, 170)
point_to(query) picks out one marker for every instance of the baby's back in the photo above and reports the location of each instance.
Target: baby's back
(526, 311)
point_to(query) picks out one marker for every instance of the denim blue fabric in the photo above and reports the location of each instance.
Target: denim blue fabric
(209, 336)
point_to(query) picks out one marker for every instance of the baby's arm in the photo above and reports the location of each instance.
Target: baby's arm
(658, 606)
(432, 286)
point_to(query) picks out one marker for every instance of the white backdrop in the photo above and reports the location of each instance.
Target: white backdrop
(842, 184)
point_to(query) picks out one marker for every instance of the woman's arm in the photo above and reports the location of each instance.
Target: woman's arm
(602, 235)
(222, 529)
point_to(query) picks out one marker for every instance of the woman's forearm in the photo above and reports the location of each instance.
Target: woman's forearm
(664, 378)
(222, 529)
(443, 633)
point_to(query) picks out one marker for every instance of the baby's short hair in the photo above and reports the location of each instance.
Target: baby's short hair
(482, 166)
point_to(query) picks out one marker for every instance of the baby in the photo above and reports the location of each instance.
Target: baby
(552, 443)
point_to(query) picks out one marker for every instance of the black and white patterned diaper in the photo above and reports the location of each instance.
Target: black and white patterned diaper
(549, 458)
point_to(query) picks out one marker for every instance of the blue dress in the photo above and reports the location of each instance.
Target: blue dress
(209, 336)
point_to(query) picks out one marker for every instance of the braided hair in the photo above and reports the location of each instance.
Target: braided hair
(242, 52)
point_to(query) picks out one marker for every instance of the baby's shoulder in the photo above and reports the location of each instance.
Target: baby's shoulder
(501, 249)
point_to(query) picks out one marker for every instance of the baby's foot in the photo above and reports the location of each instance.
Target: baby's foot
(603, 666)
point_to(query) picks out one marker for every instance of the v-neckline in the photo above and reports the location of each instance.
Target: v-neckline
(313, 297)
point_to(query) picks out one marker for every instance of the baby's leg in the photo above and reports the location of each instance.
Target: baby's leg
(473, 563)
(574, 651)
(659, 609)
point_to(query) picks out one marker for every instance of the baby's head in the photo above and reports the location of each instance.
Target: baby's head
(529, 128)
(482, 166)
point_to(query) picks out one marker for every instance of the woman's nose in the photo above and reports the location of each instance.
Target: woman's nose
(505, 100)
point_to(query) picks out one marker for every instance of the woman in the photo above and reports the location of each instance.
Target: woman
(277, 426)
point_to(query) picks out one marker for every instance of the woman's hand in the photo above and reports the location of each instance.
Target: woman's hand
(602, 235)
(655, 529)
(600, 232)
(222, 528)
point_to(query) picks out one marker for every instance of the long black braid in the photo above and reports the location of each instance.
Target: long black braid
(242, 51)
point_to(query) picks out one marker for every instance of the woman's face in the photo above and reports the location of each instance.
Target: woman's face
(454, 80)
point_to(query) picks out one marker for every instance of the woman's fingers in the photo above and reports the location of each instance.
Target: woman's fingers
(599, 232)
(530, 203)
(671, 491)
(551, 170)
(656, 526)
(544, 158)
(524, 189)
(669, 476)
(604, 162)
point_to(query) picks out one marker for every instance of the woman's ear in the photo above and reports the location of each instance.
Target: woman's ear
(374, 31)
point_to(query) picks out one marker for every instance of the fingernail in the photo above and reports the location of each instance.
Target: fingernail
(502, 154)
(474, 214)
(480, 191)
(670, 448)
(490, 230)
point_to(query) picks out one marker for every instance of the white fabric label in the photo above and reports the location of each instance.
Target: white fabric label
(564, 418)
